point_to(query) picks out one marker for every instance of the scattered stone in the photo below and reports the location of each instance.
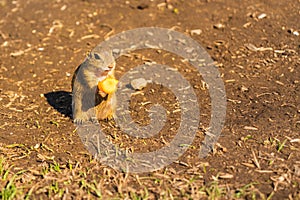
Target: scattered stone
(294, 32)
(196, 32)
(170, 7)
(139, 84)
(219, 26)
(261, 16)
(244, 89)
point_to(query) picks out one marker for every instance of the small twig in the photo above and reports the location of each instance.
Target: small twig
(255, 160)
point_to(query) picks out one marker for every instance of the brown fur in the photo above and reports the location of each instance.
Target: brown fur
(88, 103)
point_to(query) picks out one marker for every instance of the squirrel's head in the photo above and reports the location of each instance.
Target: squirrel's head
(98, 67)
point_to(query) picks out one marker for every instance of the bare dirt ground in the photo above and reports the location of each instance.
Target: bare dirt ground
(256, 46)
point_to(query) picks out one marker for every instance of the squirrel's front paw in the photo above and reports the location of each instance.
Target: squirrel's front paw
(85, 119)
(111, 116)
(79, 121)
(80, 118)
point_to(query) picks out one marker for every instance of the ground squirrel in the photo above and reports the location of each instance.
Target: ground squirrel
(88, 103)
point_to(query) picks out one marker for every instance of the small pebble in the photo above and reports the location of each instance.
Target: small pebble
(244, 89)
(138, 84)
(219, 26)
(296, 33)
(196, 32)
(36, 146)
(261, 16)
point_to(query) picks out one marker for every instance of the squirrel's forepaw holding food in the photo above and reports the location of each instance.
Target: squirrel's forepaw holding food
(108, 86)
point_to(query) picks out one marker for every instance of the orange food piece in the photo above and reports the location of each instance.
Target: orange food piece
(108, 85)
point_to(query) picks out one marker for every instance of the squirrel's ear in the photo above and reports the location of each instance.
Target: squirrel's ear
(116, 53)
(89, 55)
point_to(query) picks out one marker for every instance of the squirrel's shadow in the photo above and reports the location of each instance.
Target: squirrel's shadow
(61, 101)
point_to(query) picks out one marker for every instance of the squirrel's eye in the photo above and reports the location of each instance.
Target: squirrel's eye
(97, 57)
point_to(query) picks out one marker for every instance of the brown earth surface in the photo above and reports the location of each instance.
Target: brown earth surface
(255, 45)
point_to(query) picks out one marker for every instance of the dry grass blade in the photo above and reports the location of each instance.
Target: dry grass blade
(255, 159)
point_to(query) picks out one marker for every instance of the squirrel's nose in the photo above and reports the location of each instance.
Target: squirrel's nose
(111, 66)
